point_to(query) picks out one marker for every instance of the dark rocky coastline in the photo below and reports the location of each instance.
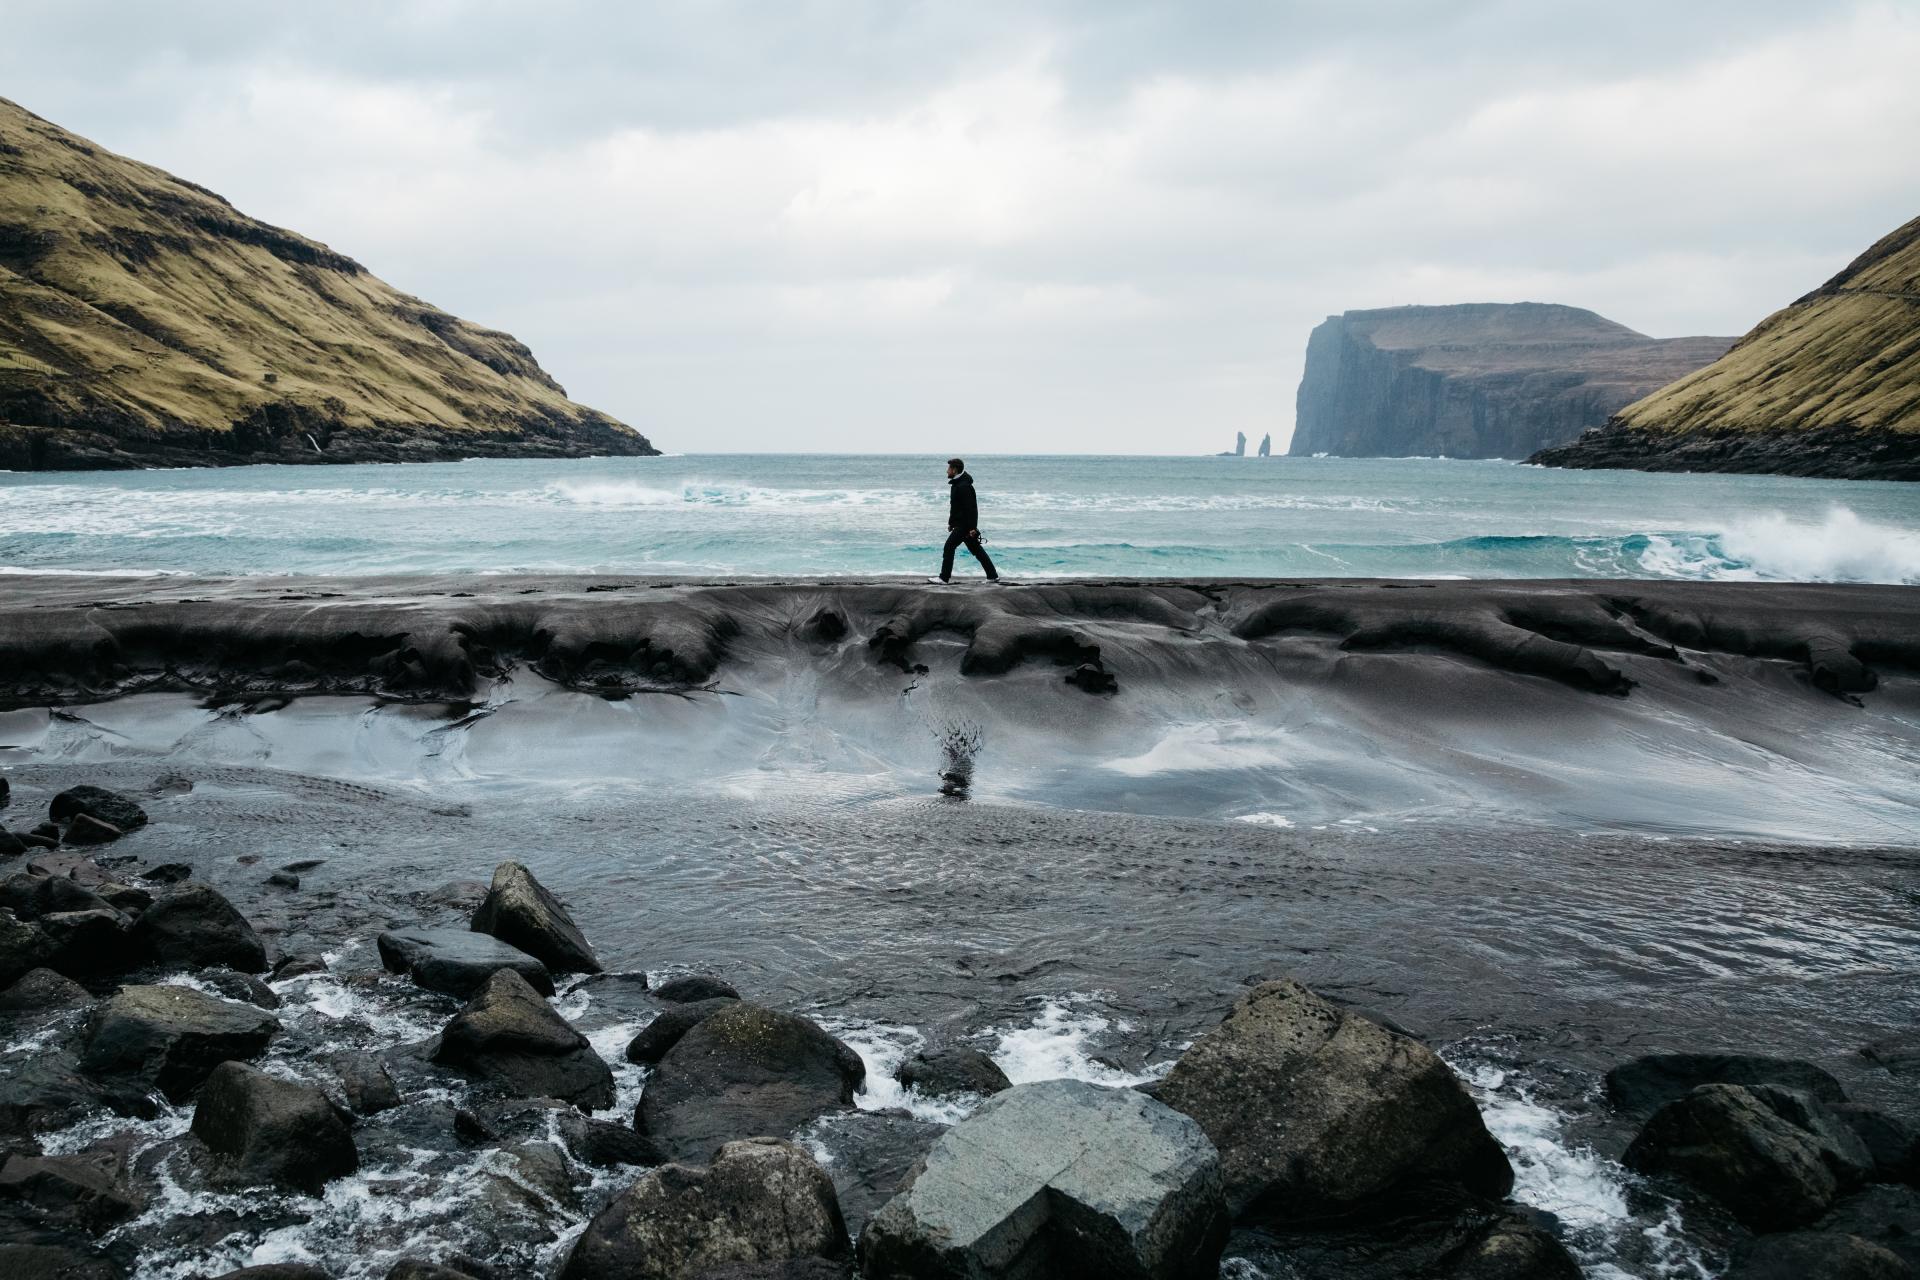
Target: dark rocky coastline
(1383, 1168)
(1836, 453)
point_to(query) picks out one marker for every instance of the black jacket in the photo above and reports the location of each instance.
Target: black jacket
(963, 509)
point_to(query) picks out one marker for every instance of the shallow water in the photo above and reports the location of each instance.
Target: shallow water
(1089, 912)
(821, 515)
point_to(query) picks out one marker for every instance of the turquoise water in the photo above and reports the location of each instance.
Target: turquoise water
(1043, 516)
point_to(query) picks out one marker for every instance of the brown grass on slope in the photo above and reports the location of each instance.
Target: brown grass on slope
(144, 320)
(1845, 356)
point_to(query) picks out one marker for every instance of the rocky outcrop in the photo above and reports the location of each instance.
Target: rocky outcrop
(1816, 1255)
(457, 961)
(692, 987)
(171, 1038)
(952, 1072)
(520, 912)
(1318, 1112)
(1648, 1083)
(269, 1130)
(193, 925)
(1829, 386)
(745, 1072)
(1774, 1158)
(1057, 1179)
(115, 358)
(509, 1037)
(665, 1031)
(1475, 380)
(760, 1203)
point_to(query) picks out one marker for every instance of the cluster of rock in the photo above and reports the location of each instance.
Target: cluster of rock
(1349, 1148)
(1824, 1185)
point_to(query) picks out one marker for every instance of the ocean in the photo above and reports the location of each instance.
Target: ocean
(743, 515)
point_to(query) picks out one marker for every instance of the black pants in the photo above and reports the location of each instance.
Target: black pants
(972, 542)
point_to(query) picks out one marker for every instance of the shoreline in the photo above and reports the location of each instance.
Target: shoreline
(72, 639)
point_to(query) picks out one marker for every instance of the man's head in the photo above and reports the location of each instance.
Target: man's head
(955, 466)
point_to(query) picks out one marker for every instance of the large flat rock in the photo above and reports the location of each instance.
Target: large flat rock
(1062, 1178)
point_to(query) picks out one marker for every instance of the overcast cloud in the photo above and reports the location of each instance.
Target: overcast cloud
(1018, 227)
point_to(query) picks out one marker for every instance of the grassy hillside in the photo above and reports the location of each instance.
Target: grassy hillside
(145, 321)
(1827, 386)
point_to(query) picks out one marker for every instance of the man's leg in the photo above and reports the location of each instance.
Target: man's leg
(980, 554)
(954, 540)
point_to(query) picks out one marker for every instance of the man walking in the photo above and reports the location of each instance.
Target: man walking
(963, 522)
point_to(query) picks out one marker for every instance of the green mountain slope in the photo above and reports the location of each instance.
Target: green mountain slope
(146, 322)
(1829, 386)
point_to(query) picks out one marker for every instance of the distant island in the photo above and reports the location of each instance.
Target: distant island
(146, 322)
(1829, 386)
(1475, 380)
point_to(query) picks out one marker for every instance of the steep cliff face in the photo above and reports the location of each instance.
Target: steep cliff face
(1829, 386)
(146, 322)
(1477, 380)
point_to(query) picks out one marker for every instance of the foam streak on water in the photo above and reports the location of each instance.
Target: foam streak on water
(1059, 516)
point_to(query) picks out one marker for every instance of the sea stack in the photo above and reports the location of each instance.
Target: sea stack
(1266, 445)
(1829, 386)
(1476, 380)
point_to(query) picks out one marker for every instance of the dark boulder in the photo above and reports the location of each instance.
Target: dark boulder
(11, 845)
(419, 1269)
(31, 896)
(1774, 1158)
(593, 1142)
(760, 1201)
(366, 1087)
(167, 873)
(1646, 1084)
(1433, 1233)
(1886, 1214)
(690, 988)
(193, 926)
(88, 943)
(509, 1037)
(23, 948)
(171, 1038)
(457, 962)
(1316, 1110)
(1057, 1179)
(664, 1032)
(42, 991)
(284, 880)
(745, 1072)
(239, 986)
(299, 966)
(271, 1130)
(6, 792)
(1815, 1255)
(129, 900)
(87, 1191)
(34, 1260)
(86, 829)
(100, 804)
(46, 1090)
(520, 912)
(953, 1071)
(278, 1271)
(1892, 1142)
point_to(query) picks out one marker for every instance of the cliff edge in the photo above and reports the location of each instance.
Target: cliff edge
(144, 321)
(1475, 380)
(1829, 386)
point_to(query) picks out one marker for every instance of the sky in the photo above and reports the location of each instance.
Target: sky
(1092, 226)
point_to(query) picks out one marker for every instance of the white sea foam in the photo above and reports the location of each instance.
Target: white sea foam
(1266, 819)
(1060, 1044)
(1840, 547)
(1585, 1191)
